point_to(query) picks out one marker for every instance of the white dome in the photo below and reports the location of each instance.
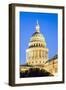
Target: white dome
(37, 39)
(37, 36)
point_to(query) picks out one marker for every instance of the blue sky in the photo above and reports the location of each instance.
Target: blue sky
(48, 27)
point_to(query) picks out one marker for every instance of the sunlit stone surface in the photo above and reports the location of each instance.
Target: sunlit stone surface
(37, 54)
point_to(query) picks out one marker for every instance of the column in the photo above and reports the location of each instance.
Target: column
(44, 54)
(37, 53)
(41, 53)
(33, 54)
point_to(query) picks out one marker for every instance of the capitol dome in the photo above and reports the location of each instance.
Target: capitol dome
(37, 38)
(37, 53)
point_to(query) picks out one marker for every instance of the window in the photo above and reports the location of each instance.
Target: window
(34, 45)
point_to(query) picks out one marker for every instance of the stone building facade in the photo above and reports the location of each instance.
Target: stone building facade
(37, 54)
(52, 65)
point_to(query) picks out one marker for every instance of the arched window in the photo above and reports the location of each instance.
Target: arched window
(34, 45)
(39, 44)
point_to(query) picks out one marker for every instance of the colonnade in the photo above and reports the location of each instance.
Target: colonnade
(36, 55)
